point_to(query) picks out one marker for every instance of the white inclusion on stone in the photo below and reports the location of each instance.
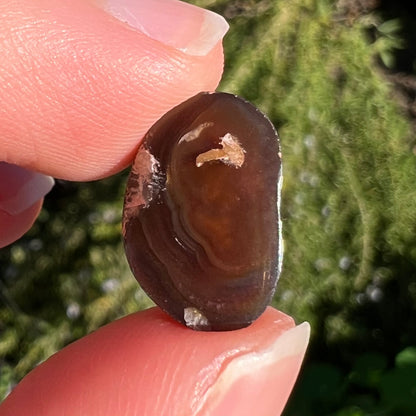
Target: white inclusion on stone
(194, 133)
(143, 185)
(230, 153)
(194, 319)
(146, 171)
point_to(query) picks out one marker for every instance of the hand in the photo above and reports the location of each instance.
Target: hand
(78, 90)
(146, 364)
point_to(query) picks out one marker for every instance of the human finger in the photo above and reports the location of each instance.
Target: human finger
(82, 82)
(21, 197)
(147, 364)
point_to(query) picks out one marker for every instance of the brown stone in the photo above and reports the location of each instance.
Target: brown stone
(201, 219)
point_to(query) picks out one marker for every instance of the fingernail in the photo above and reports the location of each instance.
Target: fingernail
(21, 188)
(259, 382)
(190, 29)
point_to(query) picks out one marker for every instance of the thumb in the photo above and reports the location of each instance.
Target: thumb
(82, 82)
(146, 364)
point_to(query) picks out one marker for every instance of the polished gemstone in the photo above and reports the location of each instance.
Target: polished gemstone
(201, 219)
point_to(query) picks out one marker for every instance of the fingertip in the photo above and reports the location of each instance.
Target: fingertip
(260, 382)
(98, 85)
(21, 197)
(148, 364)
(15, 226)
(193, 30)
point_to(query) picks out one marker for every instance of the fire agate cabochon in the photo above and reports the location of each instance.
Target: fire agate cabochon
(201, 219)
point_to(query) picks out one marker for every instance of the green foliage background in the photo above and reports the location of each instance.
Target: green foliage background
(348, 210)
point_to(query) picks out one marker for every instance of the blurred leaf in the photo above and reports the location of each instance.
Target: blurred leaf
(351, 411)
(319, 387)
(388, 58)
(368, 370)
(322, 381)
(390, 27)
(398, 389)
(407, 358)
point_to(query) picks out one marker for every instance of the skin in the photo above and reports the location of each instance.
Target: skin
(148, 364)
(14, 226)
(78, 89)
(75, 103)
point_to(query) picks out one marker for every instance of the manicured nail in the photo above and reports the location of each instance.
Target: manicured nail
(21, 188)
(190, 29)
(259, 382)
